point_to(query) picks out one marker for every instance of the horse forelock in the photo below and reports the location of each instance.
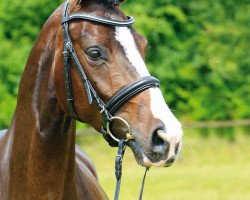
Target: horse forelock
(102, 8)
(77, 5)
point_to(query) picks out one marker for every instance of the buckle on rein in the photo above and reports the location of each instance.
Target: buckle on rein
(121, 150)
(120, 154)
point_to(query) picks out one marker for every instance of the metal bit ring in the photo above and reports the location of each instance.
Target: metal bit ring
(128, 134)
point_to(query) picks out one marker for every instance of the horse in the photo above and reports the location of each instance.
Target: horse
(87, 64)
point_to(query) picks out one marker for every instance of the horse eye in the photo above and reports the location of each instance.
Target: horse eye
(94, 53)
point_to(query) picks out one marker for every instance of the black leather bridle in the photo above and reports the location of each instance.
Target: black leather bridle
(109, 108)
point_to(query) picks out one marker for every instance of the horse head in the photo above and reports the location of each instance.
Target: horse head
(111, 58)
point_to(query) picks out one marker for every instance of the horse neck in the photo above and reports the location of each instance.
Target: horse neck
(42, 135)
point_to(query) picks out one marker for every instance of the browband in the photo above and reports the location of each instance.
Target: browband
(75, 16)
(129, 91)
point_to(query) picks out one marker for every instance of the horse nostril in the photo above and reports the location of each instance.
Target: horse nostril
(159, 145)
(156, 139)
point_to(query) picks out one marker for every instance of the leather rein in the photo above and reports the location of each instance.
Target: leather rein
(109, 108)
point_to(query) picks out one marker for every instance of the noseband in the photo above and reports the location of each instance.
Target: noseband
(109, 108)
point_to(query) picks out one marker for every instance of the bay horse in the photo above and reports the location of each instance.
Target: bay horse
(87, 52)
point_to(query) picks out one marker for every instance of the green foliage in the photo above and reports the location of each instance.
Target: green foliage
(20, 24)
(198, 49)
(200, 52)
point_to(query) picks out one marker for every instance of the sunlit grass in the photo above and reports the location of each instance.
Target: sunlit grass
(208, 169)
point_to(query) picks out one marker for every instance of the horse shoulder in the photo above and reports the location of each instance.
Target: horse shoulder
(86, 177)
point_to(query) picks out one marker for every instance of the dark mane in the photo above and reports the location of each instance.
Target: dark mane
(112, 2)
(115, 2)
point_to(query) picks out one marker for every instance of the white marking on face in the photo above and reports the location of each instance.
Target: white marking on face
(161, 111)
(126, 39)
(158, 106)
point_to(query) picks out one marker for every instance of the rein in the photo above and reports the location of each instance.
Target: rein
(109, 108)
(118, 170)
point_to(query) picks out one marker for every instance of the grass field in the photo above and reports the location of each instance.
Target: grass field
(211, 168)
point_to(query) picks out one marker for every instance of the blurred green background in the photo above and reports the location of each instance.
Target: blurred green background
(198, 49)
(200, 52)
(209, 168)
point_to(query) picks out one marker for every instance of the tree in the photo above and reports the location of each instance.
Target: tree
(198, 49)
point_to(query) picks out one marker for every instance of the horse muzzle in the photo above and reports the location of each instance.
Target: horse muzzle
(162, 152)
(161, 149)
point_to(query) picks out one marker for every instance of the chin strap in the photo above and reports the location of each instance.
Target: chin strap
(118, 170)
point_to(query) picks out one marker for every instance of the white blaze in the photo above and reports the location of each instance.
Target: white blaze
(126, 39)
(161, 111)
(158, 106)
